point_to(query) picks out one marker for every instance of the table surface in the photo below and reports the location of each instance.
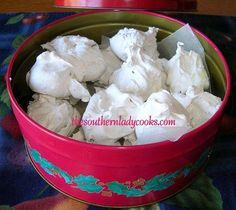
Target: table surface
(210, 7)
(20, 185)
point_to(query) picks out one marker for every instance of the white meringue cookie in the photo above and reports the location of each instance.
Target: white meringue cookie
(139, 75)
(112, 63)
(110, 104)
(79, 91)
(79, 135)
(48, 73)
(162, 106)
(128, 37)
(54, 114)
(186, 99)
(186, 69)
(52, 75)
(82, 53)
(203, 107)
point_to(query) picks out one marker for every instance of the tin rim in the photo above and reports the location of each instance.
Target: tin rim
(109, 147)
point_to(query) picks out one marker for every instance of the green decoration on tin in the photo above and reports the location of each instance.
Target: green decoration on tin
(122, 189)
(90, 183)
(87, 183)
(50, 168)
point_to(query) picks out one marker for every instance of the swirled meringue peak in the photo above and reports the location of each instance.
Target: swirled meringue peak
(186, 98)
(139, 75)
(53, 76)
(112, 63)
(127, 37)
(162, 106)
(186, 69)
(54, 114)
(82, 53)
(203, 107)
(109, 104)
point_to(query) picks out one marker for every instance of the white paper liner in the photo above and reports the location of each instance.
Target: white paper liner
(167, 47)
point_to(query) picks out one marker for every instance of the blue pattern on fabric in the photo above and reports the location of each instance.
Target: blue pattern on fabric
(20, 182)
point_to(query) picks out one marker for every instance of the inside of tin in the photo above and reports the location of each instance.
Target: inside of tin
(94, 26)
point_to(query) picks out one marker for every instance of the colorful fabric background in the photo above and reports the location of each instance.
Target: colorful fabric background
(21, 188)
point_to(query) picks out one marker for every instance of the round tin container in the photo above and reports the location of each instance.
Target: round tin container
(111, 175)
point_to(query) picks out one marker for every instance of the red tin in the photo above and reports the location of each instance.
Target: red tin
(110, 175)
(177, 5)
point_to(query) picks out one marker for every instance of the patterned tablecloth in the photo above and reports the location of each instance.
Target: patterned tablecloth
(21, 188)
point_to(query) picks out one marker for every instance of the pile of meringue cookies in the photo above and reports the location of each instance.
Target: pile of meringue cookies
(130, 79)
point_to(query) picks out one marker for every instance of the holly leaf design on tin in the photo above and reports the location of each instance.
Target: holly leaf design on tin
(15, 19)
(6, 61)
(122, 189)
(17, 41)
(87, 183)
(201, 194)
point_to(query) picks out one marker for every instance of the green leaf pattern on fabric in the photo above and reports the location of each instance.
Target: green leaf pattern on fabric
(18, 41)
(5, 98)
(15, 44)
(5, 207)
(201, 194)
(3, 109)
(6, 61)
(2, 84)
(15, 19)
